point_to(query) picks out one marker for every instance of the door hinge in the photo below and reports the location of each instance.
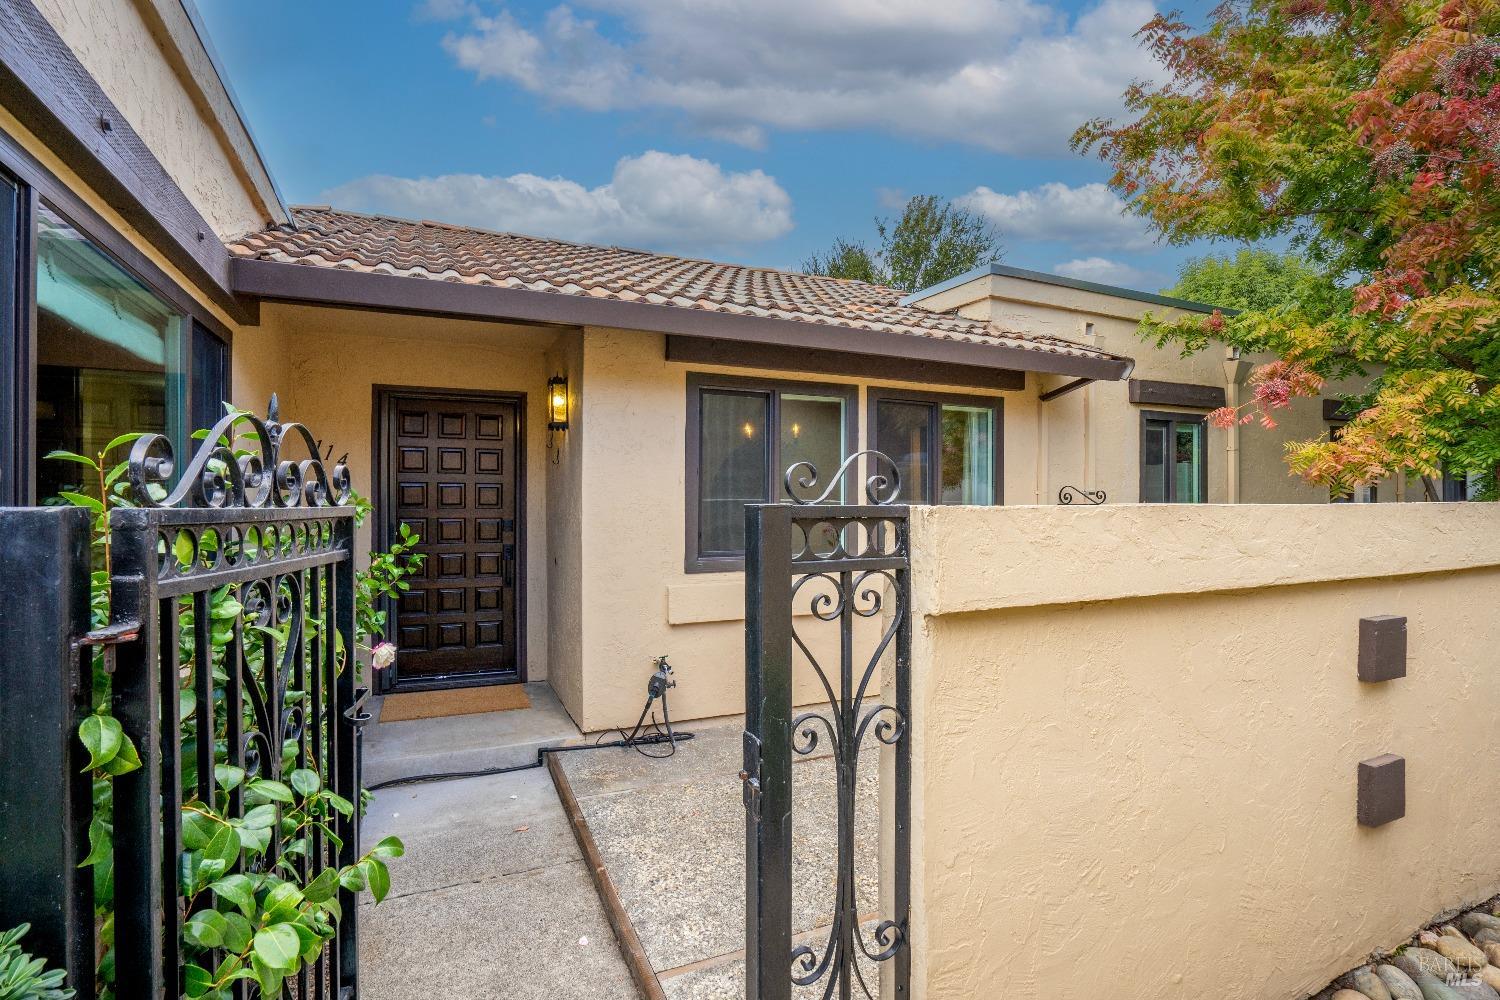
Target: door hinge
(750, 774)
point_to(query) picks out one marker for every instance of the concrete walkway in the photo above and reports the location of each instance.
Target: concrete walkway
(491, 902)
(672, 836)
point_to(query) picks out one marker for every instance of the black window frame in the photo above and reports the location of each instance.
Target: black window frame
(874, 396)
(1174, 419)
(694, 561)
(38, 186)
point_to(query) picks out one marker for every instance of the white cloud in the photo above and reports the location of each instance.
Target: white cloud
(1015, 76)
(1088, 217)
(655, 199)
(1108, 272)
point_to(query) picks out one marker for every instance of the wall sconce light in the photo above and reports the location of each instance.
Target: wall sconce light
(557, 411)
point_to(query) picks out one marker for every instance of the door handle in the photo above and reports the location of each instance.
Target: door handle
(508, 563)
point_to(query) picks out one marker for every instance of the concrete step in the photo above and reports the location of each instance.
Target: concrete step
(466, 742)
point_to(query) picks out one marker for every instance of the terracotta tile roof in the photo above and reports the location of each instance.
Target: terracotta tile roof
(325, 237)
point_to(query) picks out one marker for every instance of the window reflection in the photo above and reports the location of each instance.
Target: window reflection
(105, 347)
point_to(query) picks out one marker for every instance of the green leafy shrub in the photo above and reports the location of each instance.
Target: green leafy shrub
(257, 903)
(23, 977)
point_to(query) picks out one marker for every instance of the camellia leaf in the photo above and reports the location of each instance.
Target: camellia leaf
(196, 982)
(123, 762)
(205, 928)
(238, 890)
(379, 878)
(278, 947)
(83, 500)
(390, 847)
(352, 878)
(101, 844)
(261, 817)
(237, 932)
(228, 776)
(306, 782)
(102, 737)
(322, 887)
(123, 439)
(197, 829)
(271, 791)
(72, 456)
(223, 847)
(283, 903)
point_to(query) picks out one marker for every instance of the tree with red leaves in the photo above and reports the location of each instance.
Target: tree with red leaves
(1368, 134)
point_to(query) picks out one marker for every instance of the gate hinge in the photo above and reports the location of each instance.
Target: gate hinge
(750, 774)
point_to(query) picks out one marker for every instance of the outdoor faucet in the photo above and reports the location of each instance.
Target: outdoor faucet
(660, 681)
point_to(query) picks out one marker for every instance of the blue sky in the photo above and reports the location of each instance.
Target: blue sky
(745, 130)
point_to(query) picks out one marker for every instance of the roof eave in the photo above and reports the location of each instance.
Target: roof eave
(315, 283)
(1046, 278)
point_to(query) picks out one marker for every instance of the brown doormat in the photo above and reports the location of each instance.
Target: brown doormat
(455, 701)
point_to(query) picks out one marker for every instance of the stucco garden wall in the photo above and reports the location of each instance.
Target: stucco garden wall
(1136, 739)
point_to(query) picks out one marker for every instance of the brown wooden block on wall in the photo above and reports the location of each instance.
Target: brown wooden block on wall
(1382, 648)
(1382, 790)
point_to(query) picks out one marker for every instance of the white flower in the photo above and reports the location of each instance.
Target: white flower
(383, 655)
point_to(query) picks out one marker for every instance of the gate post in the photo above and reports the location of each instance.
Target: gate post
(767, 773)
(46, 683)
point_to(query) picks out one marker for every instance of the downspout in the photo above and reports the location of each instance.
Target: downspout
(1235, 371)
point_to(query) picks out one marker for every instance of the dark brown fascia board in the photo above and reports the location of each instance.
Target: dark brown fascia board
(775, 357)
(1186, 394)
(314, 283)
(43, 84)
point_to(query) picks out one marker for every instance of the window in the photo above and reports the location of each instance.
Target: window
(946, 448)
(105, 345)
(210, 379)
(89, 349)
(1459, 486)
(1174, 467)
(742, 435)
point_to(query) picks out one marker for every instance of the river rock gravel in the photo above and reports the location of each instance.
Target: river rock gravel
(1455, 959)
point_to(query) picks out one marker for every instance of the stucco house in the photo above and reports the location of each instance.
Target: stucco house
(573, 430)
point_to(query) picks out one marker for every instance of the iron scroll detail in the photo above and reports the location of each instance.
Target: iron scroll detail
(240, 464)
(828, 597)
(1072, 494)
(881, 490)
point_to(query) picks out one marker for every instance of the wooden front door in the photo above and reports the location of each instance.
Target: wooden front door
(452, 473)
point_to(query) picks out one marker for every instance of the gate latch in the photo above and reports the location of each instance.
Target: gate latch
(115, 634)
(750, 774)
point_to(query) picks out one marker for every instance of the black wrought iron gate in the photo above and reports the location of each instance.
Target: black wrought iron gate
(230, 658)
(846, 563)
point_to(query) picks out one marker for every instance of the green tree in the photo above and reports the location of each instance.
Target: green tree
(1251, 279)
(932, 241)
(1365, 132)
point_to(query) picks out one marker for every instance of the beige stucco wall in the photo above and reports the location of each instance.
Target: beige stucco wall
(565, 509)
(144, 56)
(1136, 732)
(638, 601)
(1091, 437)
(325, 363)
